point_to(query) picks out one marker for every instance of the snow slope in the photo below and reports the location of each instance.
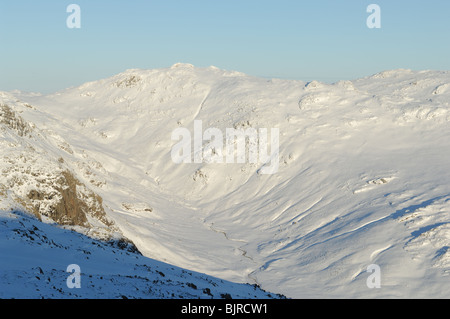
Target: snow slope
(36, 258)
(363, 175)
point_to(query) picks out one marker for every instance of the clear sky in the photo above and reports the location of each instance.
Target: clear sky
(326, 40)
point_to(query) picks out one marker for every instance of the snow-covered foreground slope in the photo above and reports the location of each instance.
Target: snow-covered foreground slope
(363, 178)
(37, 259)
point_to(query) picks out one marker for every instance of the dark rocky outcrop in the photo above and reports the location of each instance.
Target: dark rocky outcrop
(10, 119)
(73, 206)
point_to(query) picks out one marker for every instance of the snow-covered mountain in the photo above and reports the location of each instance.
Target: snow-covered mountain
(363, 177)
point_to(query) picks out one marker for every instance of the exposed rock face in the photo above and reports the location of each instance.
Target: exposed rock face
(72, 206)
(11, 120)
(70, 209)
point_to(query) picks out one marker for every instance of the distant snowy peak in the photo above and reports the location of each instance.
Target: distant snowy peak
(402, 79)
(407, 73)
(134, 91)
(141, 78)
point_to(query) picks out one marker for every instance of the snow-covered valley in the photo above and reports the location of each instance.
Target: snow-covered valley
(363, 179)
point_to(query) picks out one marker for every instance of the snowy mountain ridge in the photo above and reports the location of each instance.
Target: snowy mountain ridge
(363, 176)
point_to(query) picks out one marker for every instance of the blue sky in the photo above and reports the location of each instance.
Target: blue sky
(326, 40)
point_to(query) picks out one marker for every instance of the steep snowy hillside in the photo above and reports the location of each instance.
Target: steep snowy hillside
(363, 176)
(37, 261)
